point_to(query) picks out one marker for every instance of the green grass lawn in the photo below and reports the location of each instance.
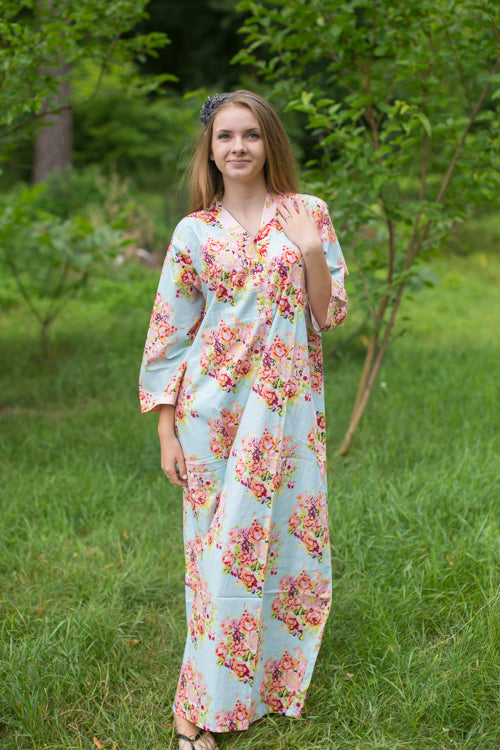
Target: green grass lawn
(91, 596)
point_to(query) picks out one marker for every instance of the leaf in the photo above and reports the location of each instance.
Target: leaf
(425, 122)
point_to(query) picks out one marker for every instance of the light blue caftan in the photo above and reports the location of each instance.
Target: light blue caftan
(233, 344)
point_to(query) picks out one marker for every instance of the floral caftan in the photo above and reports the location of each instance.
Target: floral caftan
(232, 343)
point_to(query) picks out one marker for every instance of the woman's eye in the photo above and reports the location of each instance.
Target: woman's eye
(222, 136)
(253, 136)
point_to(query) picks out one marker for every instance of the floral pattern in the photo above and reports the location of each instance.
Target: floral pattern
(237, 717)
(225, 270)
(301, 602)
(282, 683)
(264, 465)
(201, 484)
(283, 375)
(202, 616)
(233, 345)
(223, 430)
(192, 700)
(230, 353)
(192, 552)
(251, 554)
(238, 645)
(309, 523)
(184, 407)
(283, 285)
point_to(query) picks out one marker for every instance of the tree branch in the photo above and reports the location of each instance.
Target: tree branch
(421, 195)
(460, 70)
(413, 251)
(21, 287)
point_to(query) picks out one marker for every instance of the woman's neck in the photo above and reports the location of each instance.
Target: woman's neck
(246, 207)
(244, 199)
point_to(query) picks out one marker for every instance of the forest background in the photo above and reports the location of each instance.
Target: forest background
(393, 112)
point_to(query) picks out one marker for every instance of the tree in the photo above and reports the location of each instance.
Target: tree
(53, 141)
(50, 257)
(400, 99)
(42, 40)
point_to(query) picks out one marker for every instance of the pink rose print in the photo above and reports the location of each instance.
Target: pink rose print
(265, 465)
(184, 407)
(316, 441)
(192, 699)
(161, 332)
(223, 430)
(280, 688)
(230, 352)
(192, 554)
(302, 602)
(309, 523)
(291, 283)
(251, 553)
(235, 718)
(224, 270)
(316, 365)
(191, 334)
(186, 278)
(237, 648)
(207, 217)
(217, 523)
(202, 616)
(201, 485)
(283, 374)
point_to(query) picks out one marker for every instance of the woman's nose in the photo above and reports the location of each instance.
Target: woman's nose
(238, 144)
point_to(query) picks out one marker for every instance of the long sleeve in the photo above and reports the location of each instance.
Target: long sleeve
(177, 313)
(337, 308)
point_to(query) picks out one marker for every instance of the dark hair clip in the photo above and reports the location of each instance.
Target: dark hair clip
(209, 107)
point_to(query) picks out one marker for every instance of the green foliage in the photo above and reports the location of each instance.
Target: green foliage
(40, 34)
(70, 192)
(388, 90)
(137, 135)
(400, 99)
(92, 622)
(50, 257)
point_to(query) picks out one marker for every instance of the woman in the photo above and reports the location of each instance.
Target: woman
(233, 364)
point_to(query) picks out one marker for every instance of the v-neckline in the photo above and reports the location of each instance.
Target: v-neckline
(230, 223)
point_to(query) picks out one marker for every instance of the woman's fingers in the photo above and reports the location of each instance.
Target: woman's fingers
(181, 468)
(287, 209)
(298, 224)
(175, 475)
(292, 207)
(173, 463)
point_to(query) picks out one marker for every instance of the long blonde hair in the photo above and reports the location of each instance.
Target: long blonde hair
(205, 180)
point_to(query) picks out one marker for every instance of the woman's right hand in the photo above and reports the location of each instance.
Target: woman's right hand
(172, 456)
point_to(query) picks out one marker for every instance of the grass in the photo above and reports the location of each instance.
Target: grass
(91, 598)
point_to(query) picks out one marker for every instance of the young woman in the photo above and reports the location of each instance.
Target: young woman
(233, 364)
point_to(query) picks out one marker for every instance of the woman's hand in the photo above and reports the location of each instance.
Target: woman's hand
(299, 225)
(172, 456)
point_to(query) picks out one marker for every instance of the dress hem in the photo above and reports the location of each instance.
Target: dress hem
(244, 725)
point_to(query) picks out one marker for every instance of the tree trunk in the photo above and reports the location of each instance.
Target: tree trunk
(53, 144)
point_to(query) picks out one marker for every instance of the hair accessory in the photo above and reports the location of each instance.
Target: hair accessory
(210, 105)
(213, 102)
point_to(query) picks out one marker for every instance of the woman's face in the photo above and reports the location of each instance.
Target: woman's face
(237, 146)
